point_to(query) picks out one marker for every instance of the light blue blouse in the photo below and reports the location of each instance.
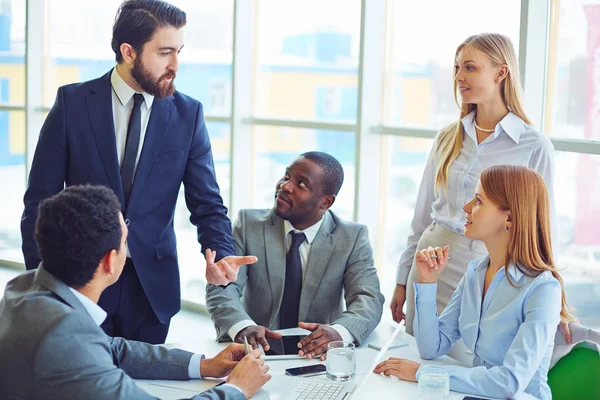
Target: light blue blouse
(510, 331)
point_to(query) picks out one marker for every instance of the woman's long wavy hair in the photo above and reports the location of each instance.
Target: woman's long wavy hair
(523, 191)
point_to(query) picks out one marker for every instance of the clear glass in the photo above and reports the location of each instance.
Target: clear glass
(12, 127)
(403, 163)
(577, 190)
(341, 361)
(572, 90)
(307, 61)
(12, 176)
(276, 147)
(420, 75)
(78, 49)
(192, 265)
(434, 383)
(12, 54)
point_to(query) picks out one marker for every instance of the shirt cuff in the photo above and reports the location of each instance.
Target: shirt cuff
(344, 333)
(235, 387)
(425, 293)
(194, 366)
(237, 328)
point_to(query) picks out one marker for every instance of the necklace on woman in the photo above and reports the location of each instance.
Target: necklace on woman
(483, 130)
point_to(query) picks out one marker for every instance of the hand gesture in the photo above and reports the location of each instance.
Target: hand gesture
(226, 269)
(431, 262)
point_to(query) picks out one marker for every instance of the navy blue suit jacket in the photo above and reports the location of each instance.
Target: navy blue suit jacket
(77, 145)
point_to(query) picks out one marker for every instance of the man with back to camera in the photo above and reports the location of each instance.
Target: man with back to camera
(51, 344)
(131, 131)
(309, 261)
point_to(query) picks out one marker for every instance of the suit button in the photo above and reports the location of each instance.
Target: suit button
(127, 222)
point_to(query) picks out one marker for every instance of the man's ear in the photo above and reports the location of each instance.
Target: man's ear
(327, 201)
(128, 53)
(110, 262)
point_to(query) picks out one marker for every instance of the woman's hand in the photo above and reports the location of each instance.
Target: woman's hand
(431, 262)
(400, 368)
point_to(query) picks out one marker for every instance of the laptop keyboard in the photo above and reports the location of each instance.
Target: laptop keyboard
(316, 391)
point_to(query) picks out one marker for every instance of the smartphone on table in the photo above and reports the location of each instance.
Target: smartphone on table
(308, 370)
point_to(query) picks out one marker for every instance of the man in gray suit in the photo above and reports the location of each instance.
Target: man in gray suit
(51, 345)
(309, 260)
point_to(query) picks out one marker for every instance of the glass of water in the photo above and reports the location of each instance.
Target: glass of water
(341, 361)
(434, 383)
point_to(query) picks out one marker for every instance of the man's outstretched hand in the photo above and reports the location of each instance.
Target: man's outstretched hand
(224, 271)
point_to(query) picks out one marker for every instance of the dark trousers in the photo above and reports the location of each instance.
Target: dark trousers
(130, 315)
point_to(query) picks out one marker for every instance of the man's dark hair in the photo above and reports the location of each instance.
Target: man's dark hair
(333, 173)
(137, 21)
(75, 229)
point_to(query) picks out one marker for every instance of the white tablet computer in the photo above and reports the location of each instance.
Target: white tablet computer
(285, 348)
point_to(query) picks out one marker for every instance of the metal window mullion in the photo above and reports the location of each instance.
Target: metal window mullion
(34, 57)
(244, 22)
(304, 124)
(370, 113)
(533, 56)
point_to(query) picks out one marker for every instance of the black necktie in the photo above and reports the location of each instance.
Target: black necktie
(134, 130)
(290, 304)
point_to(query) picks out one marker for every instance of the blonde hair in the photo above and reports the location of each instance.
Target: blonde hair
(500, 51)
(523, 191)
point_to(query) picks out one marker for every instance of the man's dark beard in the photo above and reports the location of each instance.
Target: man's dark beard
(144, 78)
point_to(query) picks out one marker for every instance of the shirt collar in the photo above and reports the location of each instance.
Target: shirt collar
(511, 124)
(125, 92)
(310, 232)
(97, 313)
(513, 271)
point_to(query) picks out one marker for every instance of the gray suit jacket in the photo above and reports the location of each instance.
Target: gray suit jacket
(51, 348)
(340, 265)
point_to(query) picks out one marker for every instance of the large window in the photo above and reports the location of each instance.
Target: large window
(307, 66)
(573, 86)
(573, 112)
(419, 81)
(367, 81)
(12, 126)
(405, 159)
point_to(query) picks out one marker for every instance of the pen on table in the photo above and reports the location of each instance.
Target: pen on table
(246, 347)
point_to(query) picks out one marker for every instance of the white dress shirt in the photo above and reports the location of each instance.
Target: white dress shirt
(513, 143)
(122, 105)
(304, 250)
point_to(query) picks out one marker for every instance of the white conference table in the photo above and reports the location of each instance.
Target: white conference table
(378, 386)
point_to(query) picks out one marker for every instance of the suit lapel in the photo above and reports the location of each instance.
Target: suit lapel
(158, 126)
(99, 108)
(275, 254)
(318, 259)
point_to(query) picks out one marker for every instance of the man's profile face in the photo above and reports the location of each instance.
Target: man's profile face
(156, 67)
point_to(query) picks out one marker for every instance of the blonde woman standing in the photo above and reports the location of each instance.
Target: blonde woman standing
(492, 130)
